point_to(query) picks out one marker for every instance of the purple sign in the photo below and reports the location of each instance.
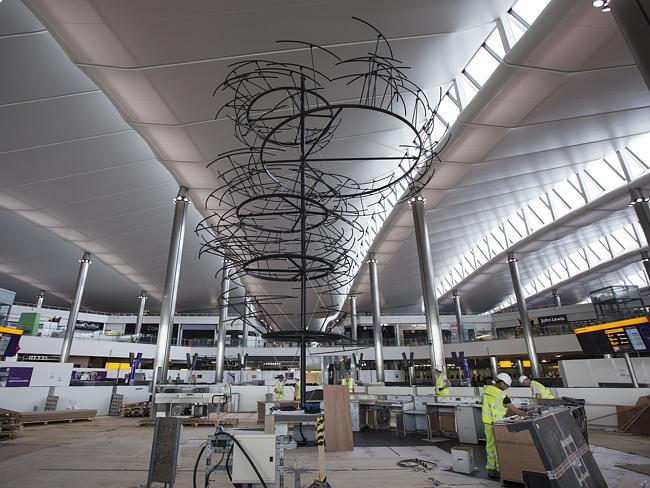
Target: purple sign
(15, 377)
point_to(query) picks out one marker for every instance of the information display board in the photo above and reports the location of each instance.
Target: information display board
(631, 335)
(9, 339)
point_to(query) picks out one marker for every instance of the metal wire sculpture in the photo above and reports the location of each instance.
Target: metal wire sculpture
(296, 195)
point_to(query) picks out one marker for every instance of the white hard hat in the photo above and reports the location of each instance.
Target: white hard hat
(505, 377)
(523, 378)
(438, 368)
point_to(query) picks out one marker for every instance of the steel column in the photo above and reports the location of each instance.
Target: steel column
(168, 307)
(557, 301)
(494, 366)
(138, 320)
(645, 259)
(74, 310)
(459, 316)
(630, 368)
(640, 204)
(39, 299)
(244, 327)
(376, 319)
(223, 317)
(523, 316)
(520, 367)
(353, 318)
(431, 314)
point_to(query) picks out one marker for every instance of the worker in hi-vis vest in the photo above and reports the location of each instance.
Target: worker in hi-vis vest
(348, 381)
(496, 406)
(278, 389)
(539, 390)
(442, 382)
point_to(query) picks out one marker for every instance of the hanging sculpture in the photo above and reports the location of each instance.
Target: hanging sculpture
(297, 194)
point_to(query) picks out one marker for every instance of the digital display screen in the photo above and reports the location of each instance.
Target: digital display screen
(644, 332)
(5, 341)
(619, 340)
(8, 344)
(595, 343)
(635, 339)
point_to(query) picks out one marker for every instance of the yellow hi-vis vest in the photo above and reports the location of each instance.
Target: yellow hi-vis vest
(493, 407)
(349, 382)
(441, 383)
(278, 389)
(541, 389)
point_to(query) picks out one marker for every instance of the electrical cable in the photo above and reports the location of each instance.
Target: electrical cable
(250, 461)
(196, 464)
(228, 463)
(213, 469)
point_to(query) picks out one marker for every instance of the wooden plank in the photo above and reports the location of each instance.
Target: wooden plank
(57, 416)
(338, 418)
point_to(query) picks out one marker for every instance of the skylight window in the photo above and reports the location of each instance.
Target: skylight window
(448, 110)
(482, 66)
(495, 44)
(529, 10)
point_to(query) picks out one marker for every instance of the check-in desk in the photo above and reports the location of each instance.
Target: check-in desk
(449, 417)
(378, 412)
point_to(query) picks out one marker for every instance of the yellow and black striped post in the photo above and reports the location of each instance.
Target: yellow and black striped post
(320, 439)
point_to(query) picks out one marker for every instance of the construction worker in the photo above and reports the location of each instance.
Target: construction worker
(442, 382)
(278, 389)
(348, 381)
(296, 390)
(539, 390)
(496, 406)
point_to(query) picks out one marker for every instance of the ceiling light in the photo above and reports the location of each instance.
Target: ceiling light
(606, 9)
(598, 3)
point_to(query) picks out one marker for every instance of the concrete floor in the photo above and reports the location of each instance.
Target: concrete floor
(114, 453)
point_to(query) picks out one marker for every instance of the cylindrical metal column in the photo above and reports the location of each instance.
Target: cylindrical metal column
(353, 318)
(74, 310)
(557, 301)
(459, 316)
(520, 367)
(244, 327)
(223, 317)
(39, 299)
(138, 320)
(494, 366)
(376, 319)
(523, 316)
(168, 307)
(630, 369)
(432, 317)
(640, 204)
(645, 259)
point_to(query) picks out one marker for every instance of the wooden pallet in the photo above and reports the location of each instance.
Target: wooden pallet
(51, 416)
(196, 422)
(8, 434)
(10, 424)
(141, 409)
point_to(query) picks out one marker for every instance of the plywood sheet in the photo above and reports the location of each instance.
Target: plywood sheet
(338, 418)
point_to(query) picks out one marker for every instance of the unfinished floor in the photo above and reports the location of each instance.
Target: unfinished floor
(114, 453)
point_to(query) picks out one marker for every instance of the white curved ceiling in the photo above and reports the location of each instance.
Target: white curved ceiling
(159, 62)
(76, 177)
(568, 93)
